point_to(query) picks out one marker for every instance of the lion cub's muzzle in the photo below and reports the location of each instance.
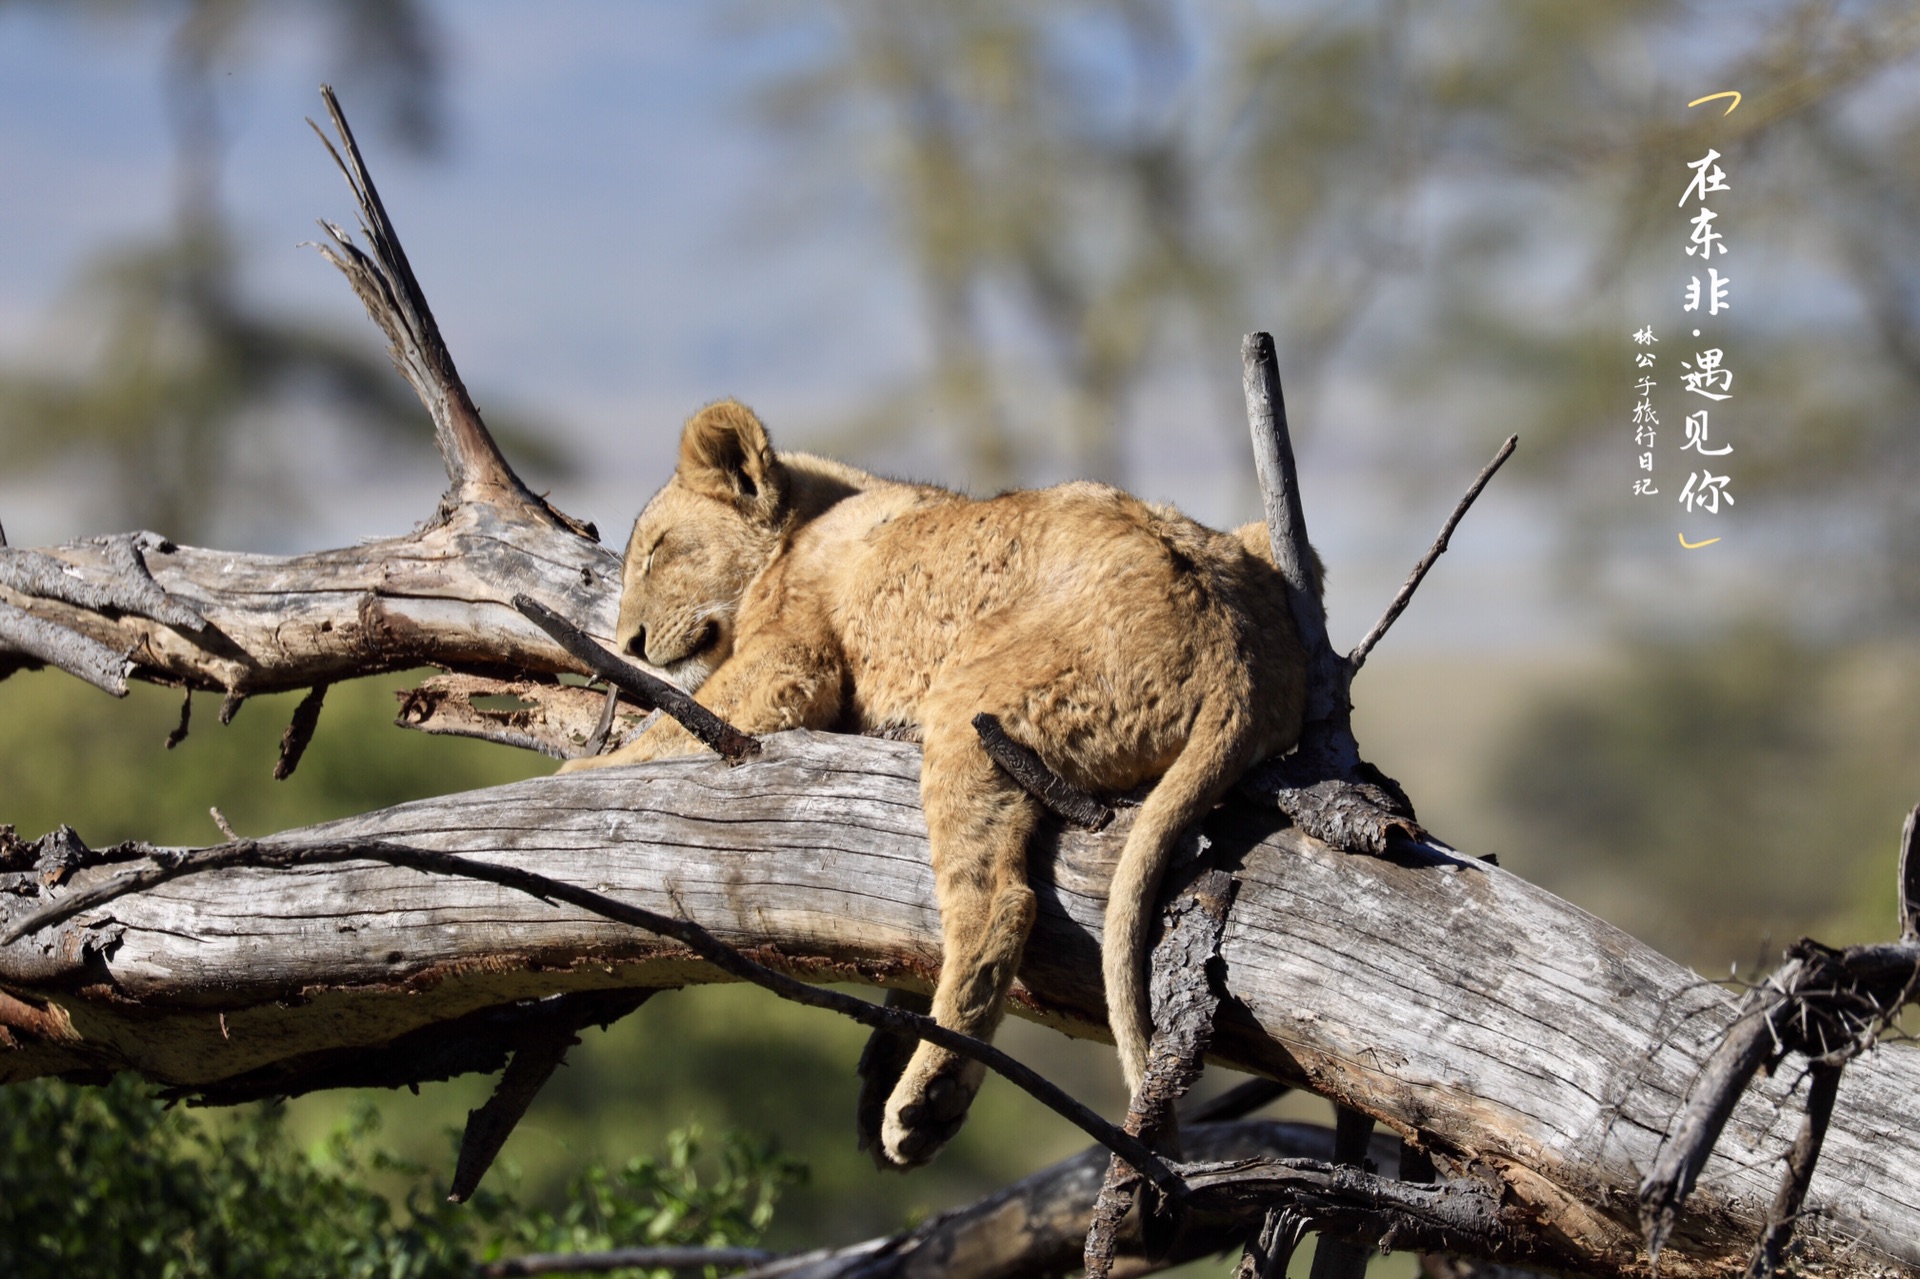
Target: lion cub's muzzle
(685, 658)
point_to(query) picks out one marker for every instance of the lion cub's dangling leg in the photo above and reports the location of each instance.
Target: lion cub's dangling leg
(979, 822)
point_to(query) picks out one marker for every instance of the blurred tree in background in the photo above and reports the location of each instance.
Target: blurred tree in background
(1451, 216)
(181, 391)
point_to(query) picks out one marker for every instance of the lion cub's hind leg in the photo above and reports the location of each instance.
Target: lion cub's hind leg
(979, 823)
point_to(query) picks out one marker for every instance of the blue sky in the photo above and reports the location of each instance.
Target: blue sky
(610, 237)
(603, 236)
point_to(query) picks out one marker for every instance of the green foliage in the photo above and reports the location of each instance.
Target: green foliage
(649, 1203)
(107, 1180)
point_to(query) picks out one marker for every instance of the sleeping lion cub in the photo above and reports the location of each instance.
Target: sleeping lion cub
(1119, 640)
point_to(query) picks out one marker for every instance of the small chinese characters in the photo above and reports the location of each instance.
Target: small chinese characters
(1706, 375)
(1645, 420)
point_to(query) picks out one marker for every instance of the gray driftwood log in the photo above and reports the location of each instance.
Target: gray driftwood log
(1476, 1015)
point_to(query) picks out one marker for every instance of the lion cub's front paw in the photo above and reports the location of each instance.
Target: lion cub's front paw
(928, 1106)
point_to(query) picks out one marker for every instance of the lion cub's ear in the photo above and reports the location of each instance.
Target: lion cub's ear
(725, 453)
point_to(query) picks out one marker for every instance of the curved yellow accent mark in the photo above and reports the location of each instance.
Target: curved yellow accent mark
(1730, 93)
(1694, 546)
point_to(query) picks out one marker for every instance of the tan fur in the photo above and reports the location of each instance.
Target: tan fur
(1120, 640)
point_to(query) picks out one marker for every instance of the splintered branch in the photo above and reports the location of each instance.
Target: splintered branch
(718, 735)
(384, 281)
(167, 865)
(1404, 596)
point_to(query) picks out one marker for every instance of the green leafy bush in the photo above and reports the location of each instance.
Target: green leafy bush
(109, 1181)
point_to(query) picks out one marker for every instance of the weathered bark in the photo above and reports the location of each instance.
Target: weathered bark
(440, 596)
(1491, 1024)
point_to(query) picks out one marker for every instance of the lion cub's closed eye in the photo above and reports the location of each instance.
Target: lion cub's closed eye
(1119, 640)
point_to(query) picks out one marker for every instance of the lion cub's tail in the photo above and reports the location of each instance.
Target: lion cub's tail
(1215, 754)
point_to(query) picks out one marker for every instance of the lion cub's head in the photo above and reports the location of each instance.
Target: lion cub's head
(700, 541)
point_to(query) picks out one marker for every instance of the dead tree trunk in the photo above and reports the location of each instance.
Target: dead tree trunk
(1534, 1053)
(1483, 1019)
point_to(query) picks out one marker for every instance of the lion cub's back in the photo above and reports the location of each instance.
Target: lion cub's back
(1095, 578)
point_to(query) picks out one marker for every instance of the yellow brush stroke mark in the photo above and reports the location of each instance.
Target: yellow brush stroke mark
(1694, 546)
(1730, 93)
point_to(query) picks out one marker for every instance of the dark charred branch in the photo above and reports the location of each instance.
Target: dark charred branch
(1270, 1249)
(1363, 1208)
(649, 690)
(179, 733)
(1060, 796)
(538, 1051)
(1361, 811)
(293, 742)
(1823, 1085)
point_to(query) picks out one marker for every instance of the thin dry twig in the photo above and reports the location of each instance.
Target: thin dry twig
(169, 864)
(1358, 657)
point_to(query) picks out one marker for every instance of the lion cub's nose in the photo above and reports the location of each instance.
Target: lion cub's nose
(637, 643)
